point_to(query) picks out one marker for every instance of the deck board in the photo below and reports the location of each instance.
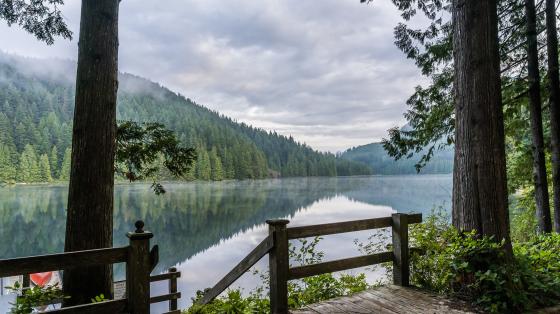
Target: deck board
(389, 300)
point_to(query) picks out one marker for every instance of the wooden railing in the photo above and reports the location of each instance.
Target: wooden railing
(139, 259)
(276, 246)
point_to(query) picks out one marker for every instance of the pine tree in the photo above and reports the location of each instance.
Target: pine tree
(28, 170)
(7, 169)
(54, 162)
(203, 167)
(44, 169)
(64, 173)
(216, 164)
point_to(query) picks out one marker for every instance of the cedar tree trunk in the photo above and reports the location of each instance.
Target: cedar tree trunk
(89, 222)
(479, 176)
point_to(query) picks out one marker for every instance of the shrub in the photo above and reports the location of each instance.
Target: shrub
(300, 292)
(476, 269)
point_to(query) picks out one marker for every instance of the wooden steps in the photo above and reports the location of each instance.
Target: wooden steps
(389, 300)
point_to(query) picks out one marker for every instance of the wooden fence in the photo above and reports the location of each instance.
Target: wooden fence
(276, 246)
(139, 260)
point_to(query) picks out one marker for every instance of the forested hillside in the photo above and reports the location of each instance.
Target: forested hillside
(37, 101)
(380, 162)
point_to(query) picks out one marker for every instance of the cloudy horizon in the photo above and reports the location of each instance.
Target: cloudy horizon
(328, 75)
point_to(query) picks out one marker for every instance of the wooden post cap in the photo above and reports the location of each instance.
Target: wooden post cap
(172, 270)
(139, 233)
(139, 226)
(277, 222)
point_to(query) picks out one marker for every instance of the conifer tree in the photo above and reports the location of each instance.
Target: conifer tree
(7, 169)
(44, 169)
(216, 165)
(64, 173)
(54, 162)
(203, 167)
(28, 170)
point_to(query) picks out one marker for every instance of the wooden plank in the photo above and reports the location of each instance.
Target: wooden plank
(347, 226)
(304, 310)
(414, 218)
(324, 308)
(346, 306)
(338, 265)
(395, 307)
(389, 300)
(261, 250)
(338, 227)
(165, 276)
(112, 306)
(165, 297)
(374, 307)
(44, 263)
(398, 302)
(374, 304)
(423, 298)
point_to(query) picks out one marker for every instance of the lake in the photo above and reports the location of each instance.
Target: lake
(205, 228)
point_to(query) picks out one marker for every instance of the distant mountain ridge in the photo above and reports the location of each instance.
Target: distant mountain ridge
(375, 156)
(37, 102)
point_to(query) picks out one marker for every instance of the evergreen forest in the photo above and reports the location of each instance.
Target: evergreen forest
(37, 102)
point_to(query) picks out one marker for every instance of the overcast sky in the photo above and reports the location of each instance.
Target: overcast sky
(325, 71)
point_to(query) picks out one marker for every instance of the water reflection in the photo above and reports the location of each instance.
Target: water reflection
(209, 226)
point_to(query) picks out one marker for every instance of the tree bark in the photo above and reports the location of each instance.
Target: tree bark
(89, 222)
(535, 108)
(554, 101)
(479, 176)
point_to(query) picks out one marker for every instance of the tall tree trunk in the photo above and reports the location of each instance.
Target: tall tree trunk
(479, 176)
(89, 222)
(554, 101)
(535, 108)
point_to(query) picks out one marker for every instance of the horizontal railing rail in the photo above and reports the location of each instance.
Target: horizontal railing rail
(139, 260)
(276, 246)
(346, 226)
(43, 263)
(112, 306)
(251, 259)
(299, 272)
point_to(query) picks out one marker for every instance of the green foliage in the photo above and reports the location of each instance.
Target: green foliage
(41, 18)
(98, 298)
(34, 297)
(66, 164)
(473, 268)
(300, 292)
(232, 303)
(138, 148)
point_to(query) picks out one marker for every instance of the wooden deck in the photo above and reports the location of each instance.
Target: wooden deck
(389, 300)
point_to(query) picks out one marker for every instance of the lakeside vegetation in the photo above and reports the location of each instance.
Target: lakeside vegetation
(447, 262)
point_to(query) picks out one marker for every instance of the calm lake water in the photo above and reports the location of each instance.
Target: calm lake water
(205, 228)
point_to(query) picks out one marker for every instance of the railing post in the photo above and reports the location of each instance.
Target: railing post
(279, 266)
(138, 270)
(173, 288)
(401, 267)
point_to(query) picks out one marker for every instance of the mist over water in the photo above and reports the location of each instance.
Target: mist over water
(205, 228)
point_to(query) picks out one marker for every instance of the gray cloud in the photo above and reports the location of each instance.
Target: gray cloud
(326, 72)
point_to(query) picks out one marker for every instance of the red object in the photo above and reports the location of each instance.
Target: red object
(41, 279)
